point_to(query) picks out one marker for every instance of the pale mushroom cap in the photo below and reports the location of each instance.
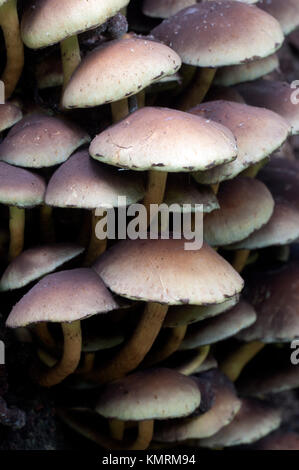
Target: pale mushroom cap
(273, 95)
(164, 8)
(286, 12)
(155, 139)
(216, 34)
(65, 296)
(234, 74)
(35, 263)
(282, 229)
(151, 394)
(258, 132)
(84, 183)
(162, 271)
(46, 22)
(274, 296)
(20, 187)
(279, 441)
(41, 141)
(254, 420)
(188, 314)
(223, 410)
(245, 206)
(9, 115)
(117, 70)
(219, 328)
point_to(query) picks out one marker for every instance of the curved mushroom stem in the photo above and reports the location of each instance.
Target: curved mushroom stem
(190, 368)
(44, 335)
(117, 429)
(155, 190)
(47, 224)
(70, 358)
(171, 345)
(71, 58)
(96, 246)
(9, 23)
(16, 227)
(119, 110)
(196, 93)
(133, 352)
(240, 260)
(88, 363)
(235, 363)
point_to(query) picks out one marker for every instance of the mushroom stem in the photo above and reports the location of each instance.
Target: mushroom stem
(253, 170)
(117, 429)
(47, 224)
(133, 352)
(119, 110)
(240, 260)
(46, 358)
(9, 23)
(70, 358)
(16, 228)
(71, 58)
(96, 246)
(44, 335)
(196, 93)
(141, 99)
(190, 368)
(155, 190)
(88, 363)
(171, 346)
(235, 363)
(215, 188)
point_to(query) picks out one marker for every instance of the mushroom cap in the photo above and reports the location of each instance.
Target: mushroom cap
(39, 141)
(46, 22)
(82, 182)
(258, 132)
(20, 187)
(282, 229)
(226, 405)
(273, 95)
(188, 314)
(216, 34)
(123, 68)
(234, 74)
(279, 441)
(254, 420)
(162, 271)
(245, 206)
(35, 262)
(293, 39)
(65, 296)
(274, 296)
(286, 12)
(217, 329)
(149, 394)
(9, 115)
(155, 139)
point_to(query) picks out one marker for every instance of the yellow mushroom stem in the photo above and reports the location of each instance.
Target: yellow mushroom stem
(96, 246)
(172, 344)
(119, 110)
(16, 228)
(155, 191)
(71, 57)
(215, 188)
(70, 358)
(88, 363)
(44, 336)
(141, 99)
(133, 352)
(236, 361)
(198, 89)
(117, 429)
(240, 260)
(193, 365)
(9, 23)
(47, 224)
(187, 72)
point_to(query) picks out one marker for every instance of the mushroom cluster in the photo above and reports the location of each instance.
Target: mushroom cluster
(164, 325)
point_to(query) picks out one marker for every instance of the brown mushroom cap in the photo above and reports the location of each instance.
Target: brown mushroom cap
(216, 34)
(217, 329)
(246, 205)
(150, 394)
(282, 229)
(254, 420)
(162, 271)
(279, 441)
(65, 296)
(155, 139)
(20, 187)
(273, 95)
(39, 141)
(82, 182)
(35, 263)
(9, 115)
(122, 68)
(286, 12)
(234, 74)
(258, 133)
(223, 410)
(46, 22)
